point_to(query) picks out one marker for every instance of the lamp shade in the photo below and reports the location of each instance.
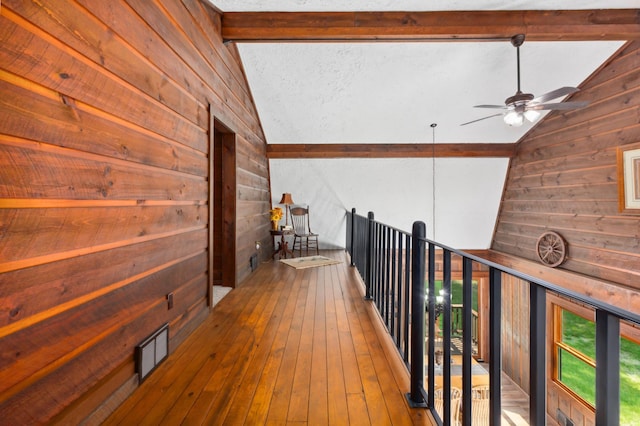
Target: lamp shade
(286, 199)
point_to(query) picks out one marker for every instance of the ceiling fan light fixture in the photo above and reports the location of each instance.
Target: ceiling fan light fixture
(522, 105)
(531, 115)
(514, 118)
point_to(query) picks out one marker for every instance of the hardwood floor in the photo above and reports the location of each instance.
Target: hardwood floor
(515, 403)
(287, 346)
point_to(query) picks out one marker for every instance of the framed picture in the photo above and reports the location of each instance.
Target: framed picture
(629, 178)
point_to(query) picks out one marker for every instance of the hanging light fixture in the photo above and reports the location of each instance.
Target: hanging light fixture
(516, 116)
(433, 177)
(523, 106)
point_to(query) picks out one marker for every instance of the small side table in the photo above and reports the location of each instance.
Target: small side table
(283, 245)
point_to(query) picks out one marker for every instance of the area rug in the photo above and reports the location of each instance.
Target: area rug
(309, 262)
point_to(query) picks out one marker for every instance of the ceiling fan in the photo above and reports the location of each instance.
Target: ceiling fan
(525, 105)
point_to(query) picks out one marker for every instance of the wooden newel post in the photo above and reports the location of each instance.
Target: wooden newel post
(416, 398)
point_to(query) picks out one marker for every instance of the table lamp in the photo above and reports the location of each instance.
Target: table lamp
(287, 201)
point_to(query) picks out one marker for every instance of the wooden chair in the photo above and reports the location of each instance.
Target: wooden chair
(456, 404)
(303, 237)
(480, 405)
(480, 392)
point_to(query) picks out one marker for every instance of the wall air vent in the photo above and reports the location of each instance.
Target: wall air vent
(152, 351)
(253, 262)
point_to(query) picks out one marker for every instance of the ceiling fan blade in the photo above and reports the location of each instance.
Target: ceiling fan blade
(554, 94)
(480, 119)
(491, 106)
(558, 106)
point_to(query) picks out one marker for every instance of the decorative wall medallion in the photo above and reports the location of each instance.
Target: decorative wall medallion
(551, 249)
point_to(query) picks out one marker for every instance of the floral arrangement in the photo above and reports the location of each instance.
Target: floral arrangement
(276, 214)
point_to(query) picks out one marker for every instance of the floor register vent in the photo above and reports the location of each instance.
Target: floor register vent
(152, 351)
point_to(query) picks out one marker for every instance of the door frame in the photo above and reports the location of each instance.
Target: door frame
(222, 216)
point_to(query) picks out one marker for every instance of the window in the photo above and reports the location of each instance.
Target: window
(575, 353)
(574, 363)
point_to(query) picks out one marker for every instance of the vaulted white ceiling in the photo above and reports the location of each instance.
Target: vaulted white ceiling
(391, 93)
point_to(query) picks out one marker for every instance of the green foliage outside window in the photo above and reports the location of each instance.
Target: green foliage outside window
(579, 376)
(456, 292)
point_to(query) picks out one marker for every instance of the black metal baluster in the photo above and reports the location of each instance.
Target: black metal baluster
(378, 268)
(537, 355)
(392, 291)
(607, 369)
(407, 295)
(431, 301)
(369, 266)
(446, 335)
(416, 397)
(352, 244)
(467, 348)
(495, 350)
(385, 277)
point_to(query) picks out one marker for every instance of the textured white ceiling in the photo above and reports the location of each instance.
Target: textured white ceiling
(392, 92)
(416, 5)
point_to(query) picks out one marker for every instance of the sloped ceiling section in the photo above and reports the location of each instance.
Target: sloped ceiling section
(392, 92)
(308, 93)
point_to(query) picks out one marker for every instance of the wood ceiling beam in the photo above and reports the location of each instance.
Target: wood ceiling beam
(393, 150)
(537, 25)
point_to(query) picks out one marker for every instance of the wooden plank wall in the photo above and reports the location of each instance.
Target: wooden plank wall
(104, 144)
(564, 178)
(515, 330)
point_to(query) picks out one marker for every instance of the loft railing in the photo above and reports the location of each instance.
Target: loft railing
(395, 265)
